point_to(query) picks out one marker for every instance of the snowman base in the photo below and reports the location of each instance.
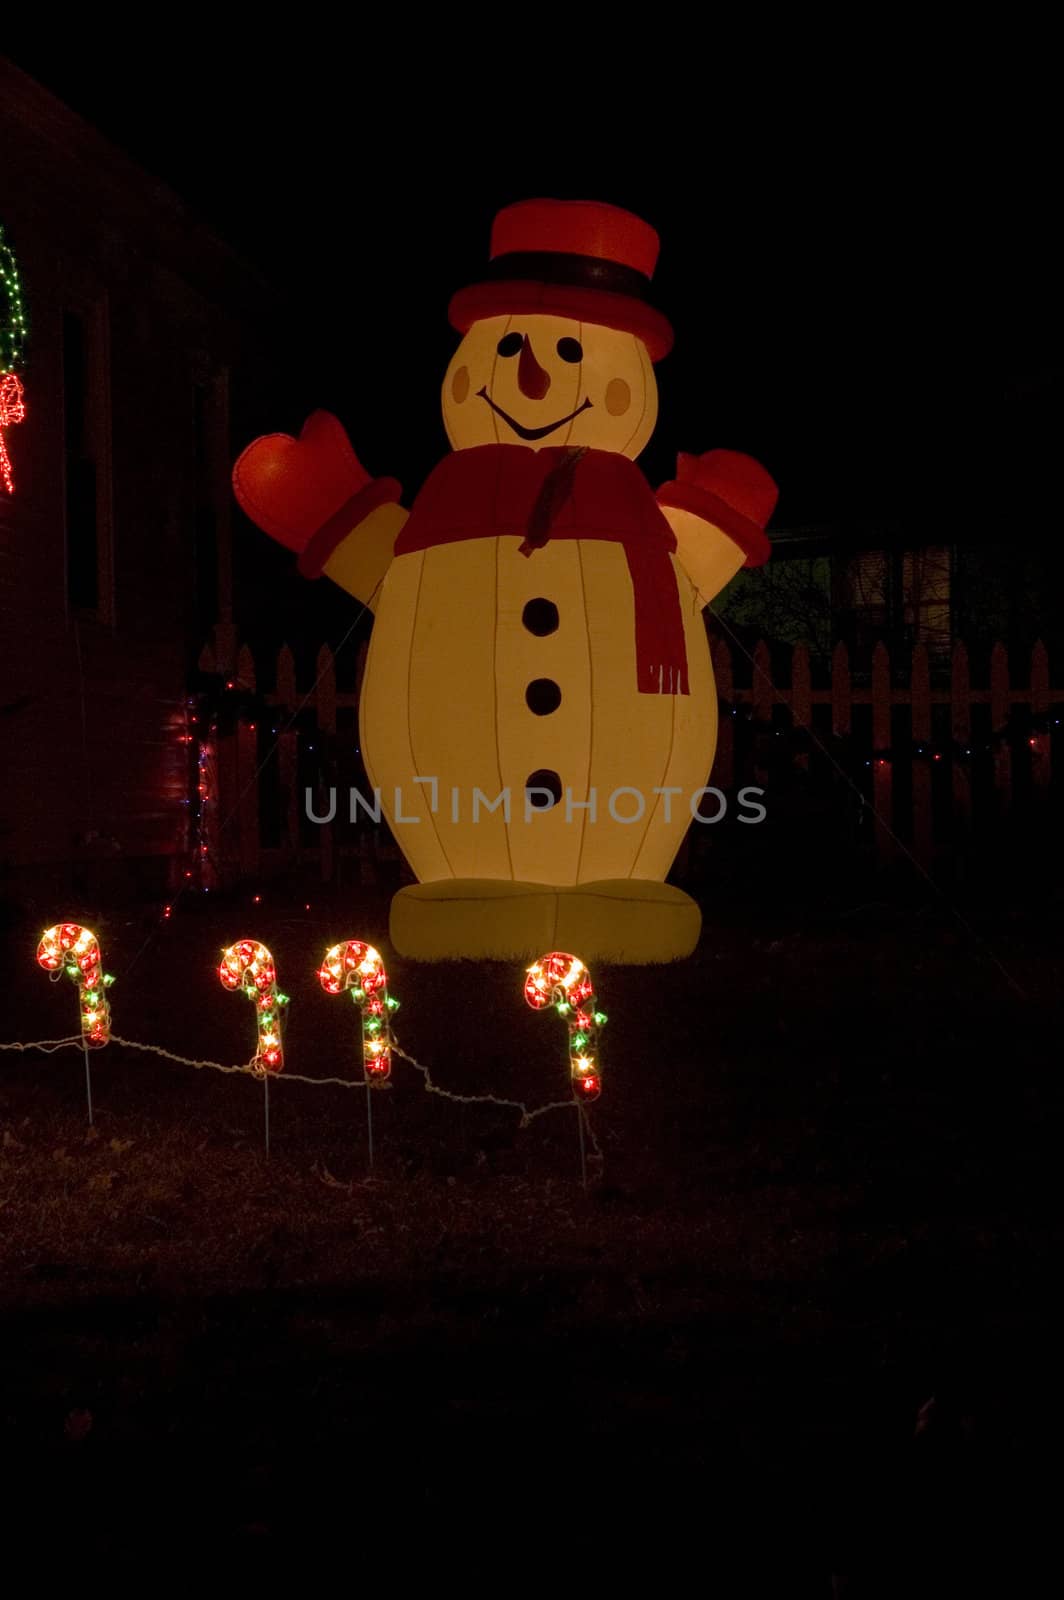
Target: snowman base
(629, 921)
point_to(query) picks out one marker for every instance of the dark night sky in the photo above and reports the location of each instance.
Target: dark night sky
(859, 273)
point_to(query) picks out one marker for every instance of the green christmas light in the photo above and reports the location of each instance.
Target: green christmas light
(12, 312)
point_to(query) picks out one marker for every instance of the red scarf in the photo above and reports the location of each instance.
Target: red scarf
(561, 493)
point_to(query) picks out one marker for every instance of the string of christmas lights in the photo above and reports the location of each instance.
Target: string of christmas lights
(70, 948)
(248, 965)
(46, 1046)
(12, 346)
(203, 866)
(12, 311)
(358, 969)
(1028, 732)
(249, 1070)
(563, 981)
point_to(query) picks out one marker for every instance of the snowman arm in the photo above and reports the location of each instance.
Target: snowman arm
(707, 555)
(717, 506)
(360, 560)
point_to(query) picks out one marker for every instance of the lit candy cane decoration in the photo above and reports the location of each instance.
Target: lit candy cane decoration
(358, 968)
(76, 950)
(248, 965)
(563, 981)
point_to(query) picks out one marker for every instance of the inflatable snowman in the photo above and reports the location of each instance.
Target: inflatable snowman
(538, 711)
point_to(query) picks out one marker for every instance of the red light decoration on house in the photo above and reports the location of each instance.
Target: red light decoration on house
(12, 409)
(358, 968)
(563, 981)
(248, 965)
(70, 948)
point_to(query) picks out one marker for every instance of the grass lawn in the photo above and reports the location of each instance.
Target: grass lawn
(828, 1194)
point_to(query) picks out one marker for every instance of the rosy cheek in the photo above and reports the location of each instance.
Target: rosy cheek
(618, 397)
(460, 385)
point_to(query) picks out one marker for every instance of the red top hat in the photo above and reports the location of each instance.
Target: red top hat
(569, 258)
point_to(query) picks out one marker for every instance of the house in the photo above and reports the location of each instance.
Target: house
(859, 584)
(115, 538)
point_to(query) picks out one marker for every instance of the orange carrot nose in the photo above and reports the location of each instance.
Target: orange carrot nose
(531, 378)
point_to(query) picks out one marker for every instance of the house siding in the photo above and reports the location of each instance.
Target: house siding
(93, 768)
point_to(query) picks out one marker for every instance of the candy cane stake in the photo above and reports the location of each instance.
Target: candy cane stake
(357, 968)
(563, 981)
(248, 965)
(70, 948)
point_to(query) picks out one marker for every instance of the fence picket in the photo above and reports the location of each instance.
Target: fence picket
(961, 731)
(920, 693)
(882, 769)
(287, 752)
(247, 774)
(1040, 741)
(763, 694)
(724, 763)
(801, 698)
(841, 692)
(999, 723)
(325, 691)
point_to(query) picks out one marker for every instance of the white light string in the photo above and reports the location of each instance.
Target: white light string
(48, 1046)
(528, 1114)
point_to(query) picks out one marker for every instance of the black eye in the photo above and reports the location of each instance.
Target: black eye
(510, 344)
(570, 350)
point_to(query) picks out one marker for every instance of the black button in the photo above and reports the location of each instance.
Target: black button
(544, 779)
(540, 617)
(543, 696)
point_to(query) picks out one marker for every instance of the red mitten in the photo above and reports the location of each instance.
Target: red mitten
(309, 492)
(730, 490)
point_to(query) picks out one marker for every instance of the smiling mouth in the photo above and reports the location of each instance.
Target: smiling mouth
(529, 433)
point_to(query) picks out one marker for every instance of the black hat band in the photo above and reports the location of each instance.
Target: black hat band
(553, 266)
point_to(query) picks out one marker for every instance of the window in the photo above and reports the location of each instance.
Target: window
(900, 596)
(866, 594)
(926, 597)
(86, 425)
